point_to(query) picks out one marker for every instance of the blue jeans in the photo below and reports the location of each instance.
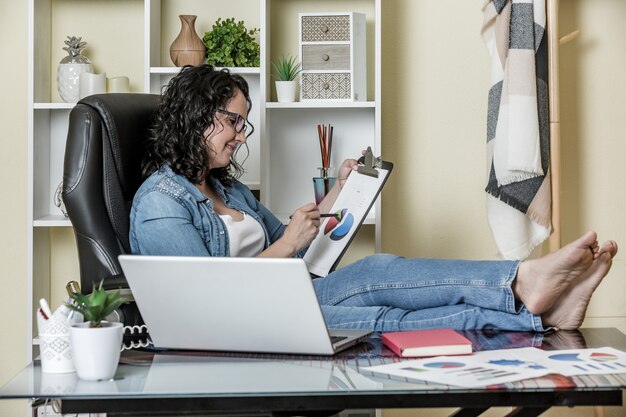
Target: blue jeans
(391, 293)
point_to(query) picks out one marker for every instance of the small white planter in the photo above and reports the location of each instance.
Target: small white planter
(286, 91)
(96, 351)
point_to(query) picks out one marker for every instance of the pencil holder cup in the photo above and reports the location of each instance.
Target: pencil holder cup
(323, 183)
(54, 343)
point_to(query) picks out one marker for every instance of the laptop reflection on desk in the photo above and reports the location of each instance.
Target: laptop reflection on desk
(232, 304)
(197, 374)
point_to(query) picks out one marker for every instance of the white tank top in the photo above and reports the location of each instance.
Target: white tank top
(246, 237)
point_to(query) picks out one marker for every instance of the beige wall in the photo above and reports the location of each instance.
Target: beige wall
(435, 85)
(13, 133)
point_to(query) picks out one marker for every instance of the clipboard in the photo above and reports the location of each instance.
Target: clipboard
(351, 208)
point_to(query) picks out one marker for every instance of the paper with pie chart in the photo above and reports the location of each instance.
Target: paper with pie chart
(507, 365)
(465, 371)
(351, 207)
(598, 361)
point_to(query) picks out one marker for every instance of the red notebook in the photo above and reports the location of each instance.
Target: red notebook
(432, 342)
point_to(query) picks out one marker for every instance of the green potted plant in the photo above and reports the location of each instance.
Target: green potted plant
(230, 44)
(287, 69)
(96, 343)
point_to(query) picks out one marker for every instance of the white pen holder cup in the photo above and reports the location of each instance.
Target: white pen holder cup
(90, 84)
(55, 347)
(118, 85)
(52, 383)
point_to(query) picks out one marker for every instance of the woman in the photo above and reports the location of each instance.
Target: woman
(192, 204)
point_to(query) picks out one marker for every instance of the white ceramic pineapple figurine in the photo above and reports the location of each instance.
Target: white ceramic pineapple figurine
(70, 68)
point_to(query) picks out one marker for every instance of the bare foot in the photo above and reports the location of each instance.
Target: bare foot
(568, 312)
(540, 282)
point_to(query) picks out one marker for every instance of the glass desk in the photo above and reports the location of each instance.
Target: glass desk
(208, 383)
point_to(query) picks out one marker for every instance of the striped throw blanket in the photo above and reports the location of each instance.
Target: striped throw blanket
(518, 188)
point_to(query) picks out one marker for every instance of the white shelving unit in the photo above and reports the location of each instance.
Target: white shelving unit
(289, 146)
(284, 152)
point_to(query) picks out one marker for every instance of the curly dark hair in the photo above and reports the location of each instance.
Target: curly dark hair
(185, 112)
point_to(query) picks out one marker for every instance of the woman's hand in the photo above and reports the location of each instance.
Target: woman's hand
(299, 233)
(303, 227)
(345, 170)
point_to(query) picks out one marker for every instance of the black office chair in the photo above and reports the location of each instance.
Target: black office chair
(102, 171)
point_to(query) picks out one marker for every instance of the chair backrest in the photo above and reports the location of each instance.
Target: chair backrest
(102, 171)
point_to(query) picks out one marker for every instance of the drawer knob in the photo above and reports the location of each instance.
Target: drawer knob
(324, 28)
(325, 57)
(325, 86)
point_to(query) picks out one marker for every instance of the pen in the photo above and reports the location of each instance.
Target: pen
(45, 308)
(324, 215)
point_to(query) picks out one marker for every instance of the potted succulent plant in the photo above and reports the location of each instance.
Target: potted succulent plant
(287, 69)
(96, 343)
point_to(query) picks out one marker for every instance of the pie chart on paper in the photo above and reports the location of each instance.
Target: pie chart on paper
(507, 362)
(603, 357)
(444, 365)
(340, 225)
(568, 357)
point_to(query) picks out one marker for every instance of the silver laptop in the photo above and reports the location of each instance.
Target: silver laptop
(232, 304)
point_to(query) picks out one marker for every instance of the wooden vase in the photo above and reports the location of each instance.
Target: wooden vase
(187, 48)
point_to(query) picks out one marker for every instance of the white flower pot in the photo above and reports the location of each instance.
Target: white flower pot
(286, 91)
(96, 351)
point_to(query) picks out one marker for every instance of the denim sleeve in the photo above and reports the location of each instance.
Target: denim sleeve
(161, 225)
(275, 228)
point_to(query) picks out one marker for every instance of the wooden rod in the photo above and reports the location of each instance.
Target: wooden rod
(552, 16)
(569, 37)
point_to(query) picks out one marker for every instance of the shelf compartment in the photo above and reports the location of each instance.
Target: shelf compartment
(50, 134)
(283, 25)
(294, 152)
(109, 47)
(164, 24)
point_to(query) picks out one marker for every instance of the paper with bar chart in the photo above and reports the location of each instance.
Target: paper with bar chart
(351, 207)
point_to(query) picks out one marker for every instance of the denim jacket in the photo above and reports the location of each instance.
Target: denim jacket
(170, 216)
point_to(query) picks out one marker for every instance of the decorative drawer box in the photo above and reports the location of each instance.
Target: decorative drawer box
(320, 28)
(326, 57)
(332, 53)
(326, 86)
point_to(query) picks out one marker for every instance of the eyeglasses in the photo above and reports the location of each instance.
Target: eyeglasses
(237, 121)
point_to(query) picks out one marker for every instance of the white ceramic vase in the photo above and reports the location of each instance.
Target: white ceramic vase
(96, 351)
(286, 91)
(70, 68)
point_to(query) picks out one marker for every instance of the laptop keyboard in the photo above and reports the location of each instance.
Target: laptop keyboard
(335, 339)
